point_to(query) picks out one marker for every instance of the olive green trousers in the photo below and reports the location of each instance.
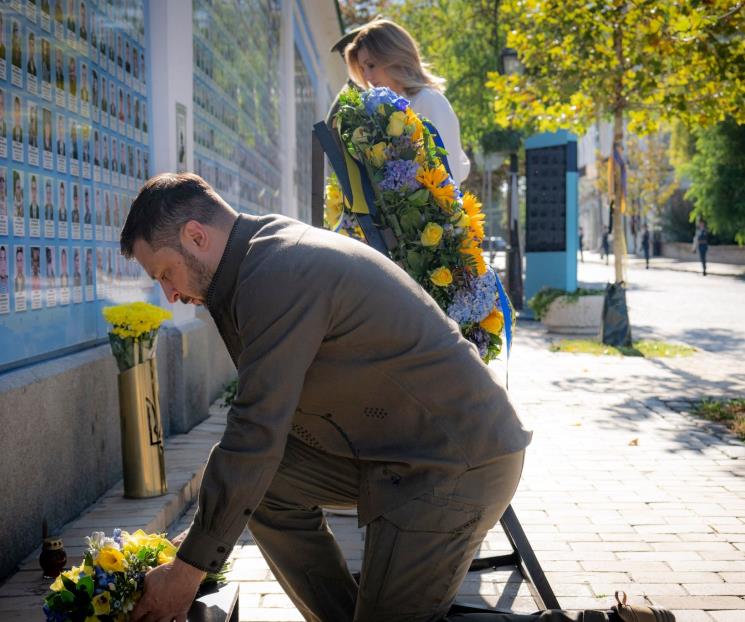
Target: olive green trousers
(415, 557)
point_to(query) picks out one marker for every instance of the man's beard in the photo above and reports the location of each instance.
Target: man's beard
(200, 278)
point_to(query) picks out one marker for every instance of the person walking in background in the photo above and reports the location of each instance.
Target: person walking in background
(383, 54)
(581, 244)
(645, 244)
(605, 245)
(701, 242)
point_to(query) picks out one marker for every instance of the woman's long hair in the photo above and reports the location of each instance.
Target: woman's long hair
(392, 47)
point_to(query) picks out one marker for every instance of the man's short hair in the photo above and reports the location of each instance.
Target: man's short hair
(165, 204)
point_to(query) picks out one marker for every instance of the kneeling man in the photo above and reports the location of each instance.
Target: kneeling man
(354, 389)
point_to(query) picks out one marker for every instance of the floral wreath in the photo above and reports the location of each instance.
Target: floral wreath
(437, 230)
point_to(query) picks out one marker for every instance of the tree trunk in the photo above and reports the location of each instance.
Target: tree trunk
(619, 238)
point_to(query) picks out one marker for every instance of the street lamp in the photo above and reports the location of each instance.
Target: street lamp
(511, 65)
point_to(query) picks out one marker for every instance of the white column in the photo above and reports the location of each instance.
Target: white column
(170, 82)
(287, 109)
(171, 79)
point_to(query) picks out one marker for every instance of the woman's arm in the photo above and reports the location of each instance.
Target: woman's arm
(434, 106)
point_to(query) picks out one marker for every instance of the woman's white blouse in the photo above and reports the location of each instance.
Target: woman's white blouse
(433, 105)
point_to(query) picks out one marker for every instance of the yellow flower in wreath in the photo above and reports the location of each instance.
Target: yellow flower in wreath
(471, 249)
(101, 604)
(472, 207)
(111, 559)
(414, 125)
(494, 322)
(432, 179)
(461, 219)
(442, 277)
(431, 235)
(396, 124)
(334, 205)
(376, 154)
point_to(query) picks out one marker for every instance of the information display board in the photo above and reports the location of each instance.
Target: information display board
(74, 148)
(545, 199)
(236, 101)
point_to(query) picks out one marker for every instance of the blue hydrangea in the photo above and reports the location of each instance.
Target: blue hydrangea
(473, 302)
(482, 340)
(117, 536)
(400, 175)
(382, 95)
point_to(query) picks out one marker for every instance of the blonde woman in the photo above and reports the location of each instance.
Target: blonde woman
(385, 54)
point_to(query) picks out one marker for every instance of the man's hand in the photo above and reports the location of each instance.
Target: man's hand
(180, 538)
(169, 592)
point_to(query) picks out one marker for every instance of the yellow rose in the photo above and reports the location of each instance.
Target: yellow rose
(494, 322)
(111, 559)
(101, 604)
(442, 277)
(461, 219)
(359, 136)
(376, 154)
(431, 235)
(396, 124)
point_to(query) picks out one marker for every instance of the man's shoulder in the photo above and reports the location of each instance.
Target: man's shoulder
(284, 253)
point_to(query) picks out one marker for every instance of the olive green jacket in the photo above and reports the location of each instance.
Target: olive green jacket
(338, 346)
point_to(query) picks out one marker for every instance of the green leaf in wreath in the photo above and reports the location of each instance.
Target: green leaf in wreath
(420, 197)
(66, 597)
(85, 584)
(411, 220)
(416, 262)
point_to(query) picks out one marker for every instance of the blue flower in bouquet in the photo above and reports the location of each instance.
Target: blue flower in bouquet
(382, 95)
(116, 536)
(473, 302)
(400, 175)
(482, 340)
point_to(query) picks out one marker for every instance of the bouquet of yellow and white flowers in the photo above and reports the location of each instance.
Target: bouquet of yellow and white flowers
(438, 230)
(109, 582)
(107, 585)
(134, 331)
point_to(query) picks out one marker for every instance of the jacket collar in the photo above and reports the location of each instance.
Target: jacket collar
(223, 282)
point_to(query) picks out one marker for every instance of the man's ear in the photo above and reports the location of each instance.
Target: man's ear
(194, 236)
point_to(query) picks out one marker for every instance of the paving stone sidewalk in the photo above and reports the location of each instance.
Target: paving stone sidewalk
(677, 265)
(622, 489)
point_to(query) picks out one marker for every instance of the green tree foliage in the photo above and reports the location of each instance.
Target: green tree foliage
(462, 42)
(645, 61)
(651, 178)
(717, 174)
(358, 12)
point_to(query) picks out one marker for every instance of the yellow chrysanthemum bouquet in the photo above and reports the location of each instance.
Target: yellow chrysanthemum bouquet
(438, 230)
(134, 331)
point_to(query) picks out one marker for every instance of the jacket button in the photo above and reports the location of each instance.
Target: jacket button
(247, 512)
(220, 549)
(213, 563)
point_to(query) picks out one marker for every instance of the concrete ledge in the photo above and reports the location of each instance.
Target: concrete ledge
(186, 454)
(720, 253)
(579, 317)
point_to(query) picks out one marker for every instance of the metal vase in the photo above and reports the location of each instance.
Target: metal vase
(142, 434)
